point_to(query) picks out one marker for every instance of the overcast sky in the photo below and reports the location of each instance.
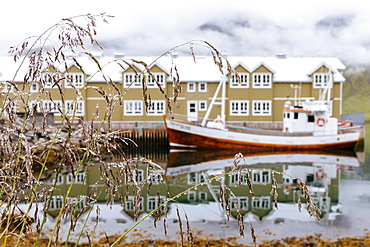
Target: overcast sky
(249, 28)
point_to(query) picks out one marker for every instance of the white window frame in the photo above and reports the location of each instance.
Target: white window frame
(261, 110)
(261, 176)
(202, 104)
(153, 202)
(71, 104)
(56, 202)
(80, 177)
(261, 202)
(156, 108)
(202, 87)
(76, 79)
(156, 177)
(244, 81)
(191, 87)
(7, 87)
(262, 80)
(159, 76)
(239, 107)
(196, 178)
(238, 177)
(130, 204)
(321, 80)
(239, 203)
(34, 87)
(132, 79)
(52, 106)
(133, 108)
(192, 196)
(202, 196)
(49, 79)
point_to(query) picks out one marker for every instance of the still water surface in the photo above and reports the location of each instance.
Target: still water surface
(336, 182)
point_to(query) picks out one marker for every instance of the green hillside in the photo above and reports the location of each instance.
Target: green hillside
(356, 91)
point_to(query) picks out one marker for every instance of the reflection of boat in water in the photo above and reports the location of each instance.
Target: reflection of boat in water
(181, 161)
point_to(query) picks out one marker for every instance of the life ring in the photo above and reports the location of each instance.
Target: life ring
(219, 120)
(320, 122)
(346, 123)
(320, 175)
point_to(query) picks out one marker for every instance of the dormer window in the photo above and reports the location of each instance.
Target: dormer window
(241, 83)
(321, 80)
(75, 79)
(132, 80)
(261, 80)
(152, 78)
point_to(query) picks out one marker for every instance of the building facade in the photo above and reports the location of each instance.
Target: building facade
(111, 87)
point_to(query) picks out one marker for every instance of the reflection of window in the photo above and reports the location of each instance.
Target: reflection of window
(196, 178)
(321, 80)
(155, 201)
(156, 107)
(243, 83)
(239, 177)
(262, 202)
(133, 80)
(78, 203)
(133, 107)
(260, 176)
(156, 176)
(56, 202)
(202, 196)
(239, 202)
(261, 108)
(75, 79)
(151, 79)
(191, 195)
(130, 203)
(138, 175)
(261, 80)
(80, 177)
(239, 107)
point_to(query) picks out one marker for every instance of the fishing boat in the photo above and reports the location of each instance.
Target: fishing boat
(307, 125)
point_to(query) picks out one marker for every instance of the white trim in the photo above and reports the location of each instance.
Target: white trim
(157, 108)
(193, 85)
(241, 109)
(264, 80)
(70, 105)
(200, 102)
(133, 108)
(244, 79)
(261, 112)
(200, 85)
(77, 79)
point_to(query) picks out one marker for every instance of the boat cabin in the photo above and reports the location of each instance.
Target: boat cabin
(309, 117)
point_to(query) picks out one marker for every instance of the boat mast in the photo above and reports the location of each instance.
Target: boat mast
(222, 86)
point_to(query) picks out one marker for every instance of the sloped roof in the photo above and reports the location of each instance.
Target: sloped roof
(288, 69)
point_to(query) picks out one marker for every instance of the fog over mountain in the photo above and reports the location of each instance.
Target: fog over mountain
(297, 28)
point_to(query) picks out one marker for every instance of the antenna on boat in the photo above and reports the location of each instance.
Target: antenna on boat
(296, 88)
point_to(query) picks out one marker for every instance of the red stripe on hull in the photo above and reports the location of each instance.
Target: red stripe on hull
(202, 142)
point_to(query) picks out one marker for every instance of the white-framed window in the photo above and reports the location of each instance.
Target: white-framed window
(80, 177)
(76, 108)
(52, 106)
(155, 201)
(159, 77)
(261, 202)
(261, 108)
(7, 87)
(202, 87)
(49, 79)
(243, 83)
(202, 104)
(156, 176)
(261, 176)
(78, 203)
(75, 79)
(34, 87)
(239, 107)
(261, 80)
(202, 196)
(156, 108)
(321, 80)
(130, 204)
(239, 203)
(191, 87)
(133, 107)
(239, 177)
(132, 79)
(58, 179)
(196, 178)
(56, 202)
(138, 175)
(192, 196)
